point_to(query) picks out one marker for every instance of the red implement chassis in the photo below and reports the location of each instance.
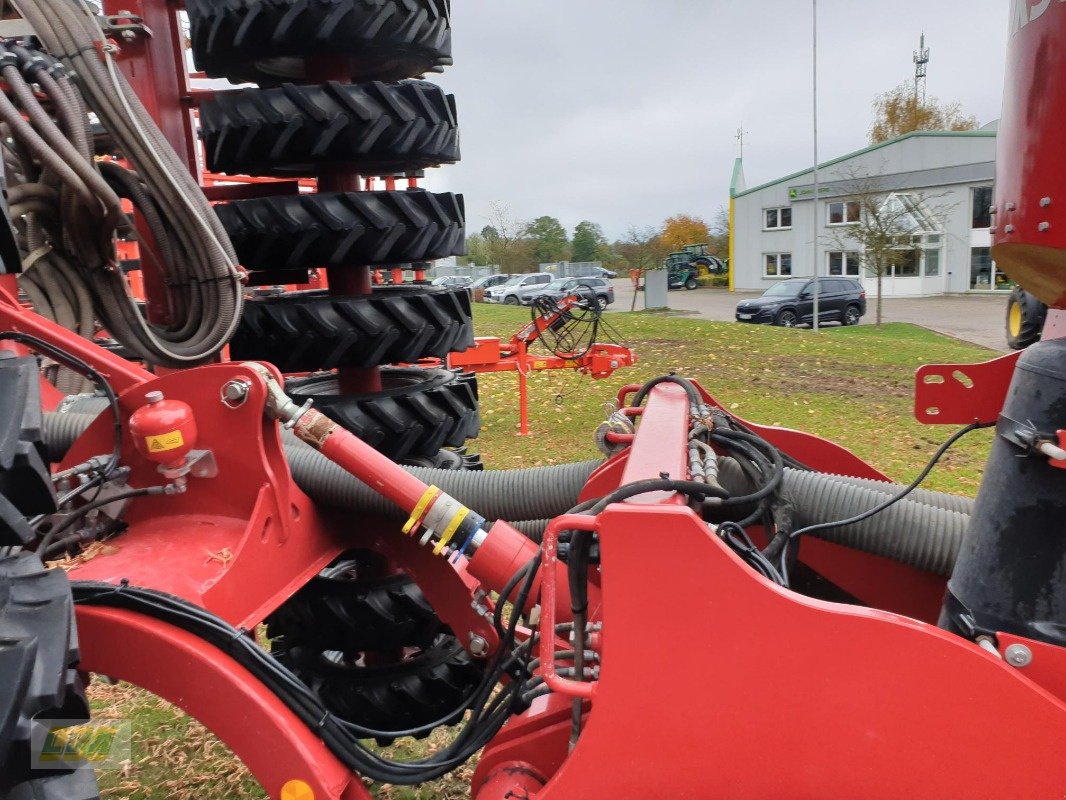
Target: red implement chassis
(650, 645)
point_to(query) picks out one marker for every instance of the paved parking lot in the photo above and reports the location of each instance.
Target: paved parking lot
(971, 317)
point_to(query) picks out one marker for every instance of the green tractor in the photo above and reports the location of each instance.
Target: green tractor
(688, 265)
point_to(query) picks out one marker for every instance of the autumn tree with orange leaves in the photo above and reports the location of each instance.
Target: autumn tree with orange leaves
(901, 111)
(683, 229)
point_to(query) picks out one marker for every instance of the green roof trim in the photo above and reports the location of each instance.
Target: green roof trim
(738, 166)
(980, 134)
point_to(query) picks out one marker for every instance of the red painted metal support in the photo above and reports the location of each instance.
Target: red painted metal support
(121, 373)
(209, 685)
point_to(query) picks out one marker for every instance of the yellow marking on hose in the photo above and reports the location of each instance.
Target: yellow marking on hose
(431, 494)
(447, 534)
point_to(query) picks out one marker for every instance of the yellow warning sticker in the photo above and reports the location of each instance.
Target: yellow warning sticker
(164, 442)
(540, 365)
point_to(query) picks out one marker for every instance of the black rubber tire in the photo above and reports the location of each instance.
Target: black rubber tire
(449, 458)
(510, 300)
(691, 283)
(366, 624)
(786, 319)
(344, 229)
(37, 677)
(418, 411)
(370, 128)
(310, 331)
(267, 41)
(851, 315)
(355, 616)
(412, 693)
(1025, 329)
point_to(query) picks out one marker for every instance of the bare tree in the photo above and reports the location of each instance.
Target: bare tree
(507, 240)
(886, 227)
(643, 249)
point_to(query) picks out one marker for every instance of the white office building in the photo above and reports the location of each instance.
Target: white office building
(940, 181)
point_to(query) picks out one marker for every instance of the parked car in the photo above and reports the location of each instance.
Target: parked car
(517, 287)
(489, 281)
(791, 302)
(598, 290)
(481, 285)
(602, 272)
(453, 281)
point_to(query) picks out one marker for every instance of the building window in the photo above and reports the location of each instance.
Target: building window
(843, 213)
(982, 206)
(932, 262)
(778, 218)
(778, 265)
(844, 264)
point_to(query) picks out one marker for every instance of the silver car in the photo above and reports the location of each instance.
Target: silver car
(512, 292)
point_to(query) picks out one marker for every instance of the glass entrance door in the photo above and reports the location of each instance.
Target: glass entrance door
(984, 276)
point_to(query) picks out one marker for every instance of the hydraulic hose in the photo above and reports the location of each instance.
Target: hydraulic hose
(926, 534)
(535, 495)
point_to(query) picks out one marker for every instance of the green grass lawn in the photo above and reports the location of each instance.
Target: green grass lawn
(852, 385)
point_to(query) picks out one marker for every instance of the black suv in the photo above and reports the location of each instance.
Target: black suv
(791, 303)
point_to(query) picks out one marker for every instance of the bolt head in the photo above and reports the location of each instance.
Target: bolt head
(1018, 655)
(153, 397)
(478, 646)
(235, 392)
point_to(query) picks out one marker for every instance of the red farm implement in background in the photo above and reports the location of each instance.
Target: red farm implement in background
(717, 609)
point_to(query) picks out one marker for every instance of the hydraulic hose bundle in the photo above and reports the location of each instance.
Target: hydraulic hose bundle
(70, 209)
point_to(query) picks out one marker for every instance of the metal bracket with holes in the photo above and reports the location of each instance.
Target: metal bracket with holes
(958, 394)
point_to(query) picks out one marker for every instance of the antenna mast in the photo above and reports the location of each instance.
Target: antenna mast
(921, 68)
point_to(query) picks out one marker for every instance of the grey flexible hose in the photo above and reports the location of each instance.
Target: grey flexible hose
(207, 280)
(534, 495)
(926, 535)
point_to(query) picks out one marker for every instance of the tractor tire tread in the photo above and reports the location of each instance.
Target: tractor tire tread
(344, 229)
(266, 41)
(418, 412)
(38, 679)
(305, 331)
(371, 128)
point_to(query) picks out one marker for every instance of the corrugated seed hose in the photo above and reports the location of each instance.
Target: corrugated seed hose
(925, 534)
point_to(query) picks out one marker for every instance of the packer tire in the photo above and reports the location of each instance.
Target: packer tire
(1025, 319)
(38, 679)
(344, 229)
(354, 616)
(268, 41)
(418, 411)
(369, 128)
(307, 331)
(410, 693)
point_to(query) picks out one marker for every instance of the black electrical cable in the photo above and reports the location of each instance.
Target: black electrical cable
(821, 526)
(739, 541)
(50, 537)
(484, 722)
(684, 383)
(578, 575)
(691, 488)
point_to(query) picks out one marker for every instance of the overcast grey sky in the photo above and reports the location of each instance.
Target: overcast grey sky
(624, 112)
